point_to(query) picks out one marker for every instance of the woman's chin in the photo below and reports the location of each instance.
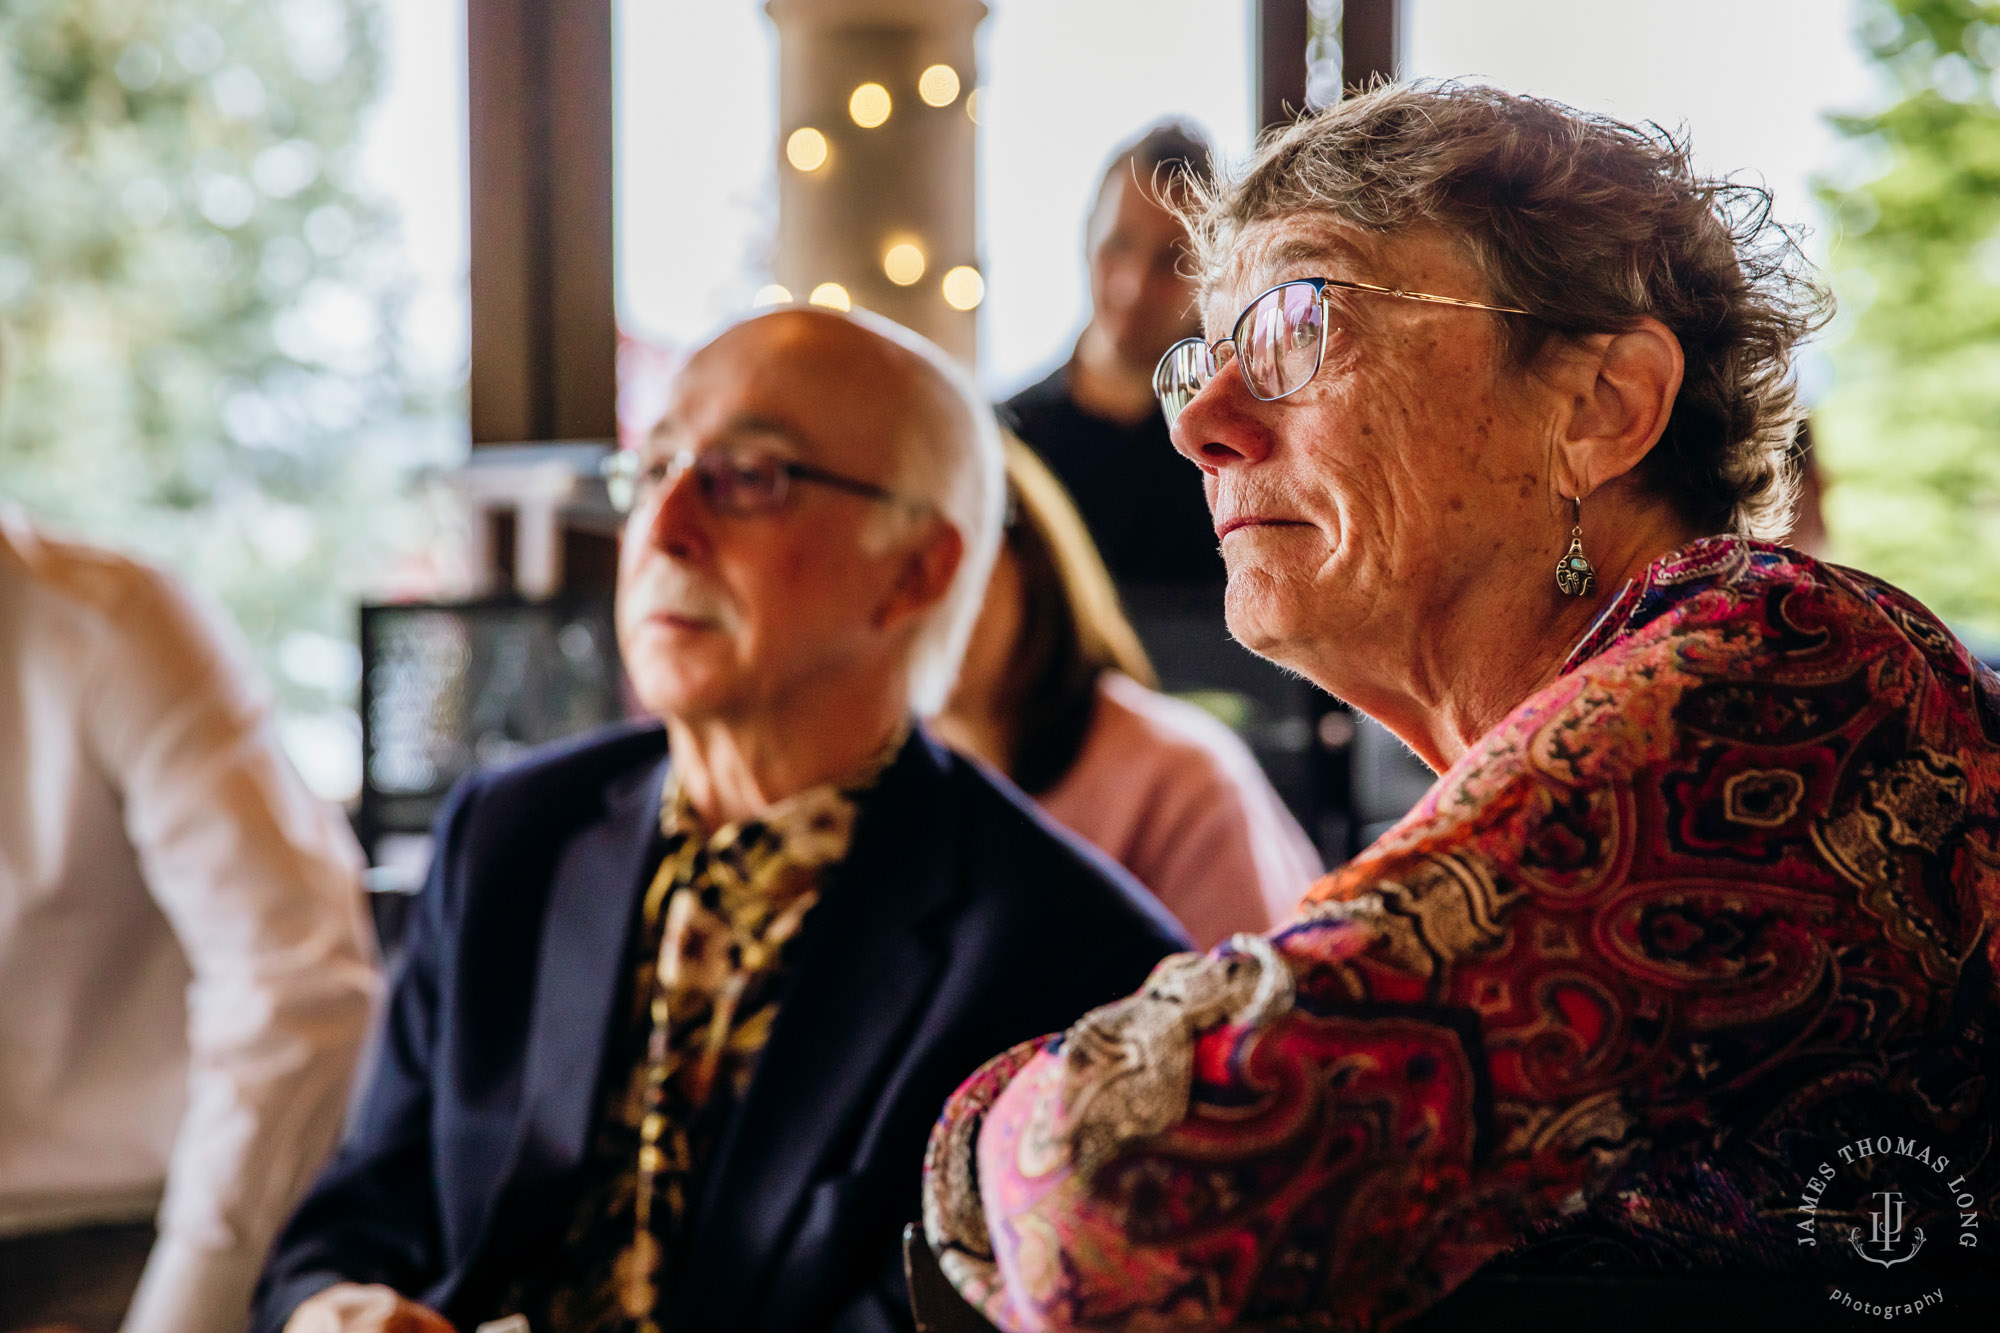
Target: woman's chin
(1258, 619)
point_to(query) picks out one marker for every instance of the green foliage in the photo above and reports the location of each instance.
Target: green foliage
(198, 356)
(1911, 435)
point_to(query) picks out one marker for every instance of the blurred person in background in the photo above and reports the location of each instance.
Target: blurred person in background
(1493, 404)
(1094, 419)
(679, 1001)
(186, 968)
(1056, 693)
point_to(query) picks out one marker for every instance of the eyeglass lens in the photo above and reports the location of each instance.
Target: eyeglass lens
(740, 483)
(1277, 341)
(731, 483)
(1187, 366)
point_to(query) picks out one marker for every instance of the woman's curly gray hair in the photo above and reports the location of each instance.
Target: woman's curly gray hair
(1590, 224)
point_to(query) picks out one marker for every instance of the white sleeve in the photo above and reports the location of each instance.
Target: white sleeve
(261, 883)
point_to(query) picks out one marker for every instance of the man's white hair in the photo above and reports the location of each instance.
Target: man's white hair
(959, 467)
(963, 473)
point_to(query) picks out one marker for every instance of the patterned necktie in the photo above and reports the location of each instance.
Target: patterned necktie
(723, 906)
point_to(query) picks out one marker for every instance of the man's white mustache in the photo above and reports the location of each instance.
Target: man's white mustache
(666, 590)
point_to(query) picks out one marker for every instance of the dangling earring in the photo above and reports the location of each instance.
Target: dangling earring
(1575, 575)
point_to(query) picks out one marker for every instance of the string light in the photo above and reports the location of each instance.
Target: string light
(904, 263)
(869, 105)
(772, 293)
(806, 149)
(964, 289)
(938, 85)
(972, 105)
(831, 295)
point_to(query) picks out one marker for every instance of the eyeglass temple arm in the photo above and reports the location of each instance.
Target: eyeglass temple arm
(807, 472)
(1421, 296)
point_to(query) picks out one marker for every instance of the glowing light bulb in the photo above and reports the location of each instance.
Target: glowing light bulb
(869, 105)
(806, 149)
(831, 295)
(938, 85)
(776, 293)
(964, 289)
(904, 263)
(972, 106)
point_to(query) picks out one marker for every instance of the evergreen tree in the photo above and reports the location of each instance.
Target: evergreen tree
(198, 356)
(1911, 432)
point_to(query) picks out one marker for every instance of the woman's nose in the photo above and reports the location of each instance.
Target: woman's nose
(1221, 427)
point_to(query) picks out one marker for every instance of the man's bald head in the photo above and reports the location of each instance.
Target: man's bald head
(893, 394)
(884, 405)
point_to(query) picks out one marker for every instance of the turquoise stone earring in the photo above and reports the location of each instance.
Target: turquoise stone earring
(1575, 575)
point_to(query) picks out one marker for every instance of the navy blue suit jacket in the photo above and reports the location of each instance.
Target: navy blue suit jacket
(960, 923)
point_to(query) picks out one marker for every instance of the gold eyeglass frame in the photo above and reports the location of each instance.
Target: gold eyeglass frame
(1319, 286)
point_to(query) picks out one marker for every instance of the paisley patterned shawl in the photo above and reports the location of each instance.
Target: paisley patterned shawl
(1728, 879)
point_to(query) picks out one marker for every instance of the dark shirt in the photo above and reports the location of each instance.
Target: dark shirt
(1142, 502)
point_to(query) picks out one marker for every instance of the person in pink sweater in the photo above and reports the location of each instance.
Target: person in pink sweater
(1056, 693)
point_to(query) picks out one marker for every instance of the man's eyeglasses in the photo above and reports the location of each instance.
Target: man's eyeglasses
(1277, 343)
(736, 482)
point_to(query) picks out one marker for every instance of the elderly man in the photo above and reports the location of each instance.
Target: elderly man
(1686, 964)
(670, 1035)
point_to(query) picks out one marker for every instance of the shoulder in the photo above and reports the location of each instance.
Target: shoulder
(1184, 738)
(1731, 640)
(1727, 605)
(135, 640)
(502, 832)
(89, 585)
(1731, 651)
(1034, 405)
(1021, 862)
(1150, 750)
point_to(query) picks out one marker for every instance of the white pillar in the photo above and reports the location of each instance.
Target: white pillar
(851, 197)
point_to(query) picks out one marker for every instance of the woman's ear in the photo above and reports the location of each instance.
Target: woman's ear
(925, 576)
(1621, 389)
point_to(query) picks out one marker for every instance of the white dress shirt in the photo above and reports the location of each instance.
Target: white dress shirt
(186, 974)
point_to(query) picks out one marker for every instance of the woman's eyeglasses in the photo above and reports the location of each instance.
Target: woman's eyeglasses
(736, 482)
(1277, 343)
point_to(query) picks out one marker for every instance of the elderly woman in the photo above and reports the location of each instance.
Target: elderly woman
(1492, 412)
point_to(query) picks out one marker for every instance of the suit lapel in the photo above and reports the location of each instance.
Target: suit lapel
(864, 969)
(580, 973)
(585, 944)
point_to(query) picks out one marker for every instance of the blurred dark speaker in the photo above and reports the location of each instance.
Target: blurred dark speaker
(1279, 714)
(1346, 779)
(1389, 779)
(447, 687)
